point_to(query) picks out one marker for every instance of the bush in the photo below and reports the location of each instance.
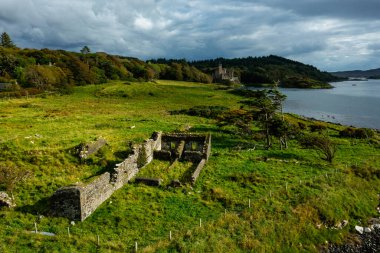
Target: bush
(241, 119)
(202, 111)
(366, 172)
(323, 144)
(317, 128)
(359, 133)
(302, 126)
(10, 176)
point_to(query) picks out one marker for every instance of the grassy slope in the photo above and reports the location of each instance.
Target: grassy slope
(37, 134)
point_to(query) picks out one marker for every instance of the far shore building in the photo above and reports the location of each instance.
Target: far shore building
(221, 75)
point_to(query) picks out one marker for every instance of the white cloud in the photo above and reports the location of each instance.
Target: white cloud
(328, 34)
(143, 23)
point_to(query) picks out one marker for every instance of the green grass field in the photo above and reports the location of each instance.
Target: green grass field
(247, 200)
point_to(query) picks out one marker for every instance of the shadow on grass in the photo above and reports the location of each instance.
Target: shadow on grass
(283, 155)
(41, 207)
(223, 138)
(186, 176)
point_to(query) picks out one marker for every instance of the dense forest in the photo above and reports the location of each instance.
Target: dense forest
(271, 69)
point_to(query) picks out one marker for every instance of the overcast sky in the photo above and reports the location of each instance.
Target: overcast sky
(330, 34)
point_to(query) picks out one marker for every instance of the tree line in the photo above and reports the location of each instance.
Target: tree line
(47, 69)
(58, 69)
(270, 69)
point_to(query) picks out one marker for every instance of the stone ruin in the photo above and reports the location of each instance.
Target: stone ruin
(6, 201)
(79, 201)
(182, 147)
(88, 149)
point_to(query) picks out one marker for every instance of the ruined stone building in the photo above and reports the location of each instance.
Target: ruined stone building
(79, 201)
(221, 75)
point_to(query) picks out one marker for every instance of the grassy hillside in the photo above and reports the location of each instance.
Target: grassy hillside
(248, 198)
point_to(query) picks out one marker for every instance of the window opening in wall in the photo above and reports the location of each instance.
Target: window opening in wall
(172, 145)
(194, 146)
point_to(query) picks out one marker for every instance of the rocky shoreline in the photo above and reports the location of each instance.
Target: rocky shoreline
(367, 239)
(364, 243)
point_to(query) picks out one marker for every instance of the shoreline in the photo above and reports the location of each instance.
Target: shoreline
(328, 122)
(297, 103)
(365, 243)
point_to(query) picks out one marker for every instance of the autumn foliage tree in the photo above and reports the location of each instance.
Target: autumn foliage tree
(58, 70)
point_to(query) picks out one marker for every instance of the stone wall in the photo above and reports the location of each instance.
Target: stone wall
(207, 147)
(189, 146)
(193, 156)
(95, 193)
(197, 171)
(79, 201)
(126, 170)
(91, 148)
(66, 202)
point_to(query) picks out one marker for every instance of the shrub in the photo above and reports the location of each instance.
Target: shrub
(241, 119)
(323, 144)
(317, 128)
(366, 172)
(202, 111)
(10, 176)
(301, 125)
(359, 133)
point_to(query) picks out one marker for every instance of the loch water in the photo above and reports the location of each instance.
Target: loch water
(352, 103)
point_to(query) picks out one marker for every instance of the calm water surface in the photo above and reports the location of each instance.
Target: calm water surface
(354, 103)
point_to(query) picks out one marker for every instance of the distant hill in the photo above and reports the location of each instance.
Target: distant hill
(45, 69)
(372, 73)
(271, 69)
(35, 70)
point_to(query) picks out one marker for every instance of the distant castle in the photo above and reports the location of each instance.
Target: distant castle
(221, 74)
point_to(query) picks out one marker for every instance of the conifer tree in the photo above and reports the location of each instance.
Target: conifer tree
(5, 41)
(85, 50)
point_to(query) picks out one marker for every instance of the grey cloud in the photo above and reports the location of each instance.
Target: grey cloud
(351, 9)
(374, 46)
(318, 32)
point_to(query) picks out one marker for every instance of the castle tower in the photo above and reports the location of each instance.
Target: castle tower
(220, 69)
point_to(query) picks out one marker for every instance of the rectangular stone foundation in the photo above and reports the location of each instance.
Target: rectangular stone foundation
(80, 201)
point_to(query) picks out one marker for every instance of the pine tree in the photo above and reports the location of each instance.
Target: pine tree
(85, 50)
(6, 41)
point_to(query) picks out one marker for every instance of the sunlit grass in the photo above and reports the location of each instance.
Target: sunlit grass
(248, 200)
